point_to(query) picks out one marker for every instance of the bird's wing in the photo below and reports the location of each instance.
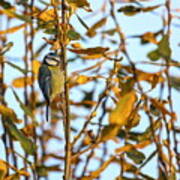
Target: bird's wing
(44, 79)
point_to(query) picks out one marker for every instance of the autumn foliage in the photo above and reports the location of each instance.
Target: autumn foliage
(118, 112)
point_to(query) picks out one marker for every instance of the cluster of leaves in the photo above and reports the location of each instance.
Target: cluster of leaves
(113, 115)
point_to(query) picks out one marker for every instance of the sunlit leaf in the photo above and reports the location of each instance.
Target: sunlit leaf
(82, 79)
(13, 177)
(6, 111)
(11, 13)
(36, 65)
(150, 77)
(149, 37)
(92, 30)
(28, 130)
(133, 120)
(79, 4)
(13, 29)
(161, 106)
(128, 167)
(109, 132)
(110, 32)
(95, 56)
(3, 169)
(95, 174)
(129, 147)
(22, 172)
(121, 114)
(22, 82)
(90, 51)
(47, 15)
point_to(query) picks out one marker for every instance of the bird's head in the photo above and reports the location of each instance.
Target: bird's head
(51, 59)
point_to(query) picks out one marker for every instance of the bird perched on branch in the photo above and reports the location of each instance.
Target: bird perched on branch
(51, 78)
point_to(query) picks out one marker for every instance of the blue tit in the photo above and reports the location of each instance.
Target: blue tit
(51, 78)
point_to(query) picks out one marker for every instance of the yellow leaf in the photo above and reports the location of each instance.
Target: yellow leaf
(79, 4)
(150, 37)
(95, 174)
(13, 177)
(55, 43)
(161, 106)
(23, 173)
(76, 45)
(47, 15)
(22, 82)
(92, 31)
(109, 132)
(35, 64)
(94, 56)
(13, 29)
(28, 130)
(9, 12)
(5, 111)
(3, 169)
(129, 147)
(82, 79)
(123, 109)
(55, 2)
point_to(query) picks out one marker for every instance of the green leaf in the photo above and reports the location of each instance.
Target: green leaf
(135, 155)
(50, 31)
(154, 55)
(133, 10)
(73, 35)
(109, 132)
(164, 47)
(175, 82)
(129, 10)
(28, 146)
(5, 4)
(148, 159)
(82, 22)
(41, 170)
(147, 134)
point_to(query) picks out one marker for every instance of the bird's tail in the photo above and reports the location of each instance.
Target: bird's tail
(47, 112)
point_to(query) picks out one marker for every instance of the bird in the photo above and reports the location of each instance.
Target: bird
(51, 78)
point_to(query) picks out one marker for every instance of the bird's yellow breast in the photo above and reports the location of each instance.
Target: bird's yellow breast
(57, 81)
